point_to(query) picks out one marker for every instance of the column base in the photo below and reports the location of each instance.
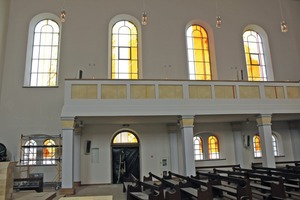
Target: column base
(77, 183)
(67, 191)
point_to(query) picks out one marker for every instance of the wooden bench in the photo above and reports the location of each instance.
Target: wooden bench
(191, 187)
(210, 168)
(33, 183)
(138, 191)
(229, 187)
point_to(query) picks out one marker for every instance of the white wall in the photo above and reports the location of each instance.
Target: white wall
(154, 145)
(84, 42)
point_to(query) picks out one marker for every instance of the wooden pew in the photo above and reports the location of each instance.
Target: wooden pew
(236, 188)
(32, 183)
(274, 184)
(210, 168)
(136, 192)
(191, 187)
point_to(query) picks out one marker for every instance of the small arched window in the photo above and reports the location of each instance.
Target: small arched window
(125, 137)
(198, 148)
(198, 53)
(124, 51)
(213, 147)
(275, 145)
(257, 146)
(29, 153)
(49, 153)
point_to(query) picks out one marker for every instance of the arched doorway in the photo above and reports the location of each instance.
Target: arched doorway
(125, 156)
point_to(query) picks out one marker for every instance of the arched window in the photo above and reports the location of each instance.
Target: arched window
(43, 51)
(213, 147)
(275, 145)
(125, 137)
(198, 53)
(257, 146)
(198, 148)
(255, 57)
(29, 153)
(124, 51)
(49, 152)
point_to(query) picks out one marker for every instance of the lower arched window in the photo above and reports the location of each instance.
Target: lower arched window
(198, 148)
(49, 152)
(29, 155)
(213, 147)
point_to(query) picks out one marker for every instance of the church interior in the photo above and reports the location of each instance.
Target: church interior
(93, 92)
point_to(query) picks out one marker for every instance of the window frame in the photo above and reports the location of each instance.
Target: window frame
(217, 149)
(28, 66)
(266, 50)
(211, 41)
(200, 149)
(134, 21)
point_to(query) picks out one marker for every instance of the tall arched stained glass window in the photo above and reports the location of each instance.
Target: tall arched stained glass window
(124, 49)
(198, 53)
(45, 51)
(257, 146)
(198, 148)
(275, 145)
(255, 56)
(213, 147)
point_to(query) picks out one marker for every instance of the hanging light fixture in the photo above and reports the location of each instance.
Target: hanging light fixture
(218, 17)
(144, 15)
(63, 16)
(144, 18)
(283, 24)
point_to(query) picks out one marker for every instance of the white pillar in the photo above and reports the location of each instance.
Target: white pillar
(174, 160)
(67, 156)
(187, 133)
(265, 134)
(77, 158)
(295, 136)
(238, 143)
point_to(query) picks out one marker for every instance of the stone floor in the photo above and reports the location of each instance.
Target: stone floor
(116, 190)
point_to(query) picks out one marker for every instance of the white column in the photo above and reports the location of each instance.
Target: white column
(238, 143)
(265, 134)
(174, 160)
(294, 127)
(77, 158)
(187, 133)
(67, 156)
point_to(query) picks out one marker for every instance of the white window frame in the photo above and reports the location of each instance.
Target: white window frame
(34, 21)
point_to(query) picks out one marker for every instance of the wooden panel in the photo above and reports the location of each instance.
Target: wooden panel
(111, 91)
(142, 92)
(6, 180)
(274, 92)
(200, 92)
(170, 92)
(293, 92)
(225, 92)
(249, 92)
(84, 91)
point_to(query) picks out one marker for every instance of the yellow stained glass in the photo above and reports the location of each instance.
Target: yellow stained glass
(198, 53)
(124, 50)
(125, 137)
(49, 152)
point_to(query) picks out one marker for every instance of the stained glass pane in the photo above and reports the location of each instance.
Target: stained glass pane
(198, 53)
(125, 137)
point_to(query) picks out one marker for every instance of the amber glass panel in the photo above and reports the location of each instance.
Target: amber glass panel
(257, 146)
(255, 58)
(213, 147)
(198, 53)
(124, 51)
(49, 152)
(125, 137)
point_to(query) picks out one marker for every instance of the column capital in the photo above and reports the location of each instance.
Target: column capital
(67, 123)
(264, 119)
(172, 128)
(236, 126)
(186, 121)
